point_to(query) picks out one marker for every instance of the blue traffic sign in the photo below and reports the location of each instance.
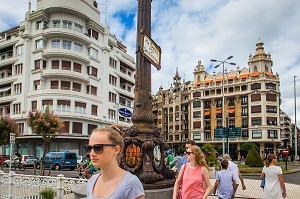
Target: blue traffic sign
(125, 112)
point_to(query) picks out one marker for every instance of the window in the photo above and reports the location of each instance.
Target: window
(67, 24)
(244, 111)
(18, 69)
(18, 88)
(78, 27)
(270, 86)
(219, 103)
(244, 88)
(36, 84)
(197, 124)
(245, 133)
(231, 123)
(77, 128)
(255, 86)
(112, 80)
(63, 105)
(78, 47)
(39, 25)
(256, 121)
(272, 134)
(76, 87)
(91, 127)
(66, 65)
(55, 43)
(94, 90)
(47, 103)
(197, 94)
(196, 104)
(112, 63)
(111, 114)
(66, 129)
(77, 67)
(256, 109)
(34, 105)
(21, 128)
(196, 136)
(244, 100)
(271, 97)
(80, 107)
(54, 84)
(112, 97)
(92, 71)
(17, 108)
(65, 85)
(93, 52)
(19, 50)
(94, 110)
(56, 23)
(244, 123)
(255, 68)
(55, 64)
(67, 45)
(40, 44)
(271, 121)
(197, 114)
(271, 109)
(256, 134)
(177, 118)
(255, 97)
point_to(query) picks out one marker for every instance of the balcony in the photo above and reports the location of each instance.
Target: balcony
(65, 73)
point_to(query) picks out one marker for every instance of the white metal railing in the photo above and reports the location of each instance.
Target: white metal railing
(21, 186)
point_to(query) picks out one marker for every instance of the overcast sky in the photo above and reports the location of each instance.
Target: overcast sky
(191, 30)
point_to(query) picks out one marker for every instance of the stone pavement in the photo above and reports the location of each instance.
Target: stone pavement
(253, 190)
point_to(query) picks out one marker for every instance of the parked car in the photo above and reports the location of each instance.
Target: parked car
(27, 160)
(61, 160)
(3, 158)
(80, 160)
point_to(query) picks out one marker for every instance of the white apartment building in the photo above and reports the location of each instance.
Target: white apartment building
(62, 57)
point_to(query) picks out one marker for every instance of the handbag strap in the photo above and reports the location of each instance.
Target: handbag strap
(183, 174)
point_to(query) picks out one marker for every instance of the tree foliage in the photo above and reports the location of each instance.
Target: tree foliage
(7, 126)
(210, 154)
(245, 148)
(45, 124)
(253, 159)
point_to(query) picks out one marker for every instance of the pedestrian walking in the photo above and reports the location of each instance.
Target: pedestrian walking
(184, 158)
(225, 182)
(236, 173)
(274, 183)
(176, 162)
(192, 176)
(105, 146)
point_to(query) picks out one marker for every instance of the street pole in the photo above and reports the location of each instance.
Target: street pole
(296, 136)
(225, 127)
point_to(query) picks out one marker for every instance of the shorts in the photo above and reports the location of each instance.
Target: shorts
(91, 170)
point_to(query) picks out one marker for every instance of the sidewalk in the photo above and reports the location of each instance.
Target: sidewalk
(253, 190)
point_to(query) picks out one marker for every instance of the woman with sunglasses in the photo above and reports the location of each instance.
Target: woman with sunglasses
(105, 147)
(193, 175)
(274, 184)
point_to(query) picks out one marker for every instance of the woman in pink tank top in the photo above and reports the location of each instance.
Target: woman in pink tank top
(189, 183)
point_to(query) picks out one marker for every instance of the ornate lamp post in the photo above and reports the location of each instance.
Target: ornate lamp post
(223, 98)
(143, 153)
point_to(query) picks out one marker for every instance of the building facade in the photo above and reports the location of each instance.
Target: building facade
(60, 56)
(193, 110)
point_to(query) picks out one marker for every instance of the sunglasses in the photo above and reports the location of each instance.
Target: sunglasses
(98, 148)
(189, 152)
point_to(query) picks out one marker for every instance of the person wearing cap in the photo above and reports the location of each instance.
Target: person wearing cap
(236, 173)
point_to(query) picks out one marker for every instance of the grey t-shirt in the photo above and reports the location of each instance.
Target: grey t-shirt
(130, 187)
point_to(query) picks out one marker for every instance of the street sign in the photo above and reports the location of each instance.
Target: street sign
(286, 152)
(219, 133)
(12, 138)
(151, 50)
(234, 132)
(125, 112)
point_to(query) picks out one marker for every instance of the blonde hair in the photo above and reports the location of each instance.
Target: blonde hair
(199, 156)
(115, 135)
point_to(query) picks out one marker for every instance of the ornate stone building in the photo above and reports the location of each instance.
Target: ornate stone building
(193, 110)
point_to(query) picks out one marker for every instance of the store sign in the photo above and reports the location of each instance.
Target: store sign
(151, 51)
(125, 112)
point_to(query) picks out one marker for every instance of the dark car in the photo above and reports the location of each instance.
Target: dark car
(3, 158)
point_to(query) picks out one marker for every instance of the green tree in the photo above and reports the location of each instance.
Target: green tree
(253, 159)
(45, 124)
(210, 154)
(7, 126)
(245, 148)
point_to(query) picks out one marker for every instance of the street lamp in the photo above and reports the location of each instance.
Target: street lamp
(223, 100)
(296, 148)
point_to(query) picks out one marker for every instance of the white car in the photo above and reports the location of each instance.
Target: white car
(27, 160)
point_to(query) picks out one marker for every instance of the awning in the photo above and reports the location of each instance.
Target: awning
(255, 74)
(206, 113)
(269, 73)
(231, 77)
(218, 111)
(244, 75)
(208, 81)
(4, 89)
(219, 79)
(231, 110)
(197, 83)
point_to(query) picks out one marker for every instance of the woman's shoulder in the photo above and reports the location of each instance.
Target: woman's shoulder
(129, 177)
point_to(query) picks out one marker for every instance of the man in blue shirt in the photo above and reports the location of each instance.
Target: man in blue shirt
(187, 145)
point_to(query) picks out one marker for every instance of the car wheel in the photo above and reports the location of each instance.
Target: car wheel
(57, 167)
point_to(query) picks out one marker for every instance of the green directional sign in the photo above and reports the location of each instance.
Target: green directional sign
(219, 132)
(234, 132)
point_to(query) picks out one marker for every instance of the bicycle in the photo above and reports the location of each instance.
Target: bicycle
(81, 174)
(15, 165)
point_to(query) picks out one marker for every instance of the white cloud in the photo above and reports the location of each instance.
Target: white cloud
(192, 30)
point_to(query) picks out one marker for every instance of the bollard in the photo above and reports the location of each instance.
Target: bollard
(59, 187)
(11, 182)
